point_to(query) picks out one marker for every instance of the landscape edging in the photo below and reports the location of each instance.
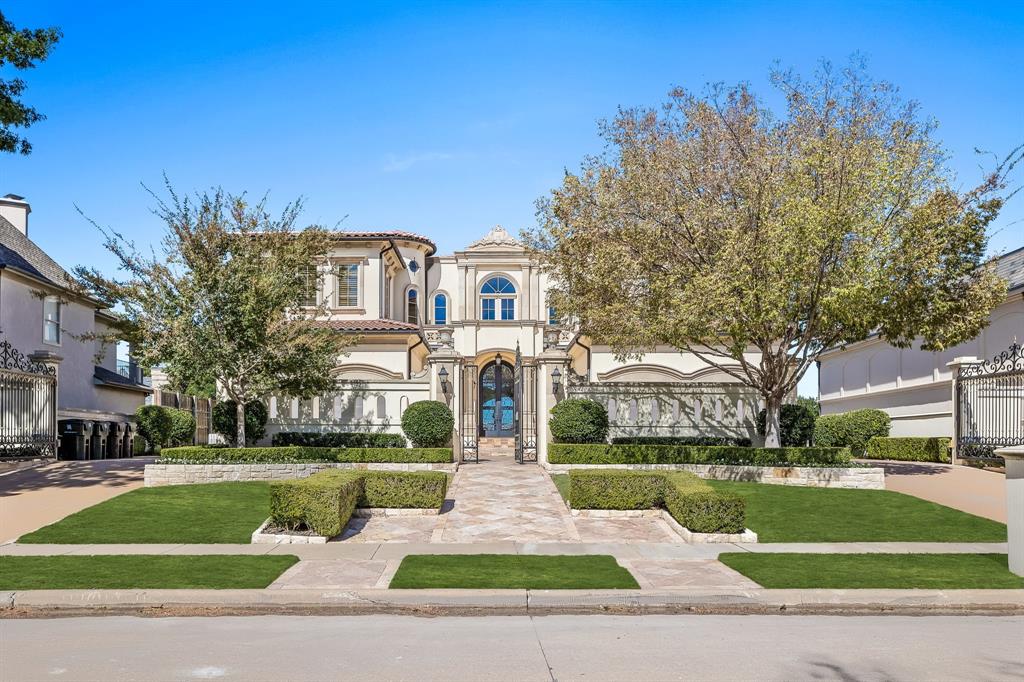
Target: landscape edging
(184, 474)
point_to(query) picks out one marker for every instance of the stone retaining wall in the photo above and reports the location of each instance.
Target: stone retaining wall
(180, 474)
(863, 478)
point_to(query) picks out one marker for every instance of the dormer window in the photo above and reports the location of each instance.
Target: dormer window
(498, 299)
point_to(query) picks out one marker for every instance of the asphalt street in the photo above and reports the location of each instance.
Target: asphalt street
(514, 648)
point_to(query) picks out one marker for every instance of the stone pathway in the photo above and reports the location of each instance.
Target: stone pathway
(500, 500)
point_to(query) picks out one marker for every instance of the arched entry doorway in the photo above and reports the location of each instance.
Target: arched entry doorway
(497, 404)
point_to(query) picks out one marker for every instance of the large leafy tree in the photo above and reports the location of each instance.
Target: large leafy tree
(21, 49)
(755, 240)
(224, 299)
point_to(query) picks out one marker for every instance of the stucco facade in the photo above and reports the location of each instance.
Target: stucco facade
(913, 386)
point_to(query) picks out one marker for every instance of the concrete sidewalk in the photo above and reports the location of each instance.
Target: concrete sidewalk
(44, 603)
(33, 497)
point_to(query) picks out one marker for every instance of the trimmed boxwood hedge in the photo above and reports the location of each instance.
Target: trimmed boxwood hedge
(579, 420)
(403, 489)
(565, 453)
(680, 440)
(428, 424)
(690, 501)
(347, 439)
(322, 503)
(851, 429)
(288, 455)
(909, 449)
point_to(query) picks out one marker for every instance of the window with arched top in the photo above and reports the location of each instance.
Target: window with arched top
(412, 307)
(498, 299)
(440, 309)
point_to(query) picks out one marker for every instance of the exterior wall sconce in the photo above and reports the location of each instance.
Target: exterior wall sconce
(556, 380)
(445, 386)
(497, 360)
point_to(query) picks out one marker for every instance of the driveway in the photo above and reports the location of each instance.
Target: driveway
(975, 491)
(34, 497)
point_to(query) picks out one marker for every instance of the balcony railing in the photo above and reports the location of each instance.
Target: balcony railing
(130, 370)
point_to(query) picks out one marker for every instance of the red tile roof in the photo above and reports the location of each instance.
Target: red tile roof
(388, 234)
(369, 325)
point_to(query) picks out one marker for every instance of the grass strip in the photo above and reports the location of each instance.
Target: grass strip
(880, 571)
(779, 513)
(207, 513)
(142, 571)
(512, 571)
(561, 482)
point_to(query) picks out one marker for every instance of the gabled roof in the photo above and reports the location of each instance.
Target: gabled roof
(1011, 268)
(387, 234)
(20, 253)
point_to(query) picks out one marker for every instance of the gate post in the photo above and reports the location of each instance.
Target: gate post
(1014, 458)
(547, 362)
(956, 406)
(52, 362)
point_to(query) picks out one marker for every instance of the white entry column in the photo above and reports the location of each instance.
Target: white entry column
(547, 397)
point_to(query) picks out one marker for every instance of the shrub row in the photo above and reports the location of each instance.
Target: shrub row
(162, 426)
(292, 454)
(690, 501)
(851, 429)
(680, 440)
(339, 440)
(909, 449)
(325, 501)
(564, 453)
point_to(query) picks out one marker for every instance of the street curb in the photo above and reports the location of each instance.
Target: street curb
(430, 603)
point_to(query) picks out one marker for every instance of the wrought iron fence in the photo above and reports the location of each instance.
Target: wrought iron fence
(28, 405)
(469, 413)
(990, 405)
(525, 410)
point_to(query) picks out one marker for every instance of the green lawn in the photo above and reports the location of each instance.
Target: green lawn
(561, 482)
(779, 513)
(512, 571)
(896, 571)
(141, 571)
(203, 513)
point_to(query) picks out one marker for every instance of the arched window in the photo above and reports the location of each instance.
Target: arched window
(498, 299)
(440, 309)
(412, 308)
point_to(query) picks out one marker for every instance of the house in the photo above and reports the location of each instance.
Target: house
(45, 322)
(475, 330)
(911, 385)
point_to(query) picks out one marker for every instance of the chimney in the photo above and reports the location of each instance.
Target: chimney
(15, 209)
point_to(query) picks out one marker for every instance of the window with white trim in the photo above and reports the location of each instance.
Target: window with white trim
(498, 299)
(51, 319)
(412, 307)
(347, 284)
(308, 278)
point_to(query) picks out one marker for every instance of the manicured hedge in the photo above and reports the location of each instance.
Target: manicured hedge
(403, 489)
(909, 449)
(681, 440)
(287, 455)
(851, 429)
(796, 424)
(690, 501)
(348, 439)
(323, 503)
(154, 423)
(183, 427)
(428, 424)
(579, 420)
(565, 453)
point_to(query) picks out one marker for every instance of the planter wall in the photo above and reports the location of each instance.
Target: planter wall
(863, 478)
(181, 474)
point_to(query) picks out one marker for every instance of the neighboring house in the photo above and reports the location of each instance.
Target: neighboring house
(911, 385)
(448, 327)
(42, 316)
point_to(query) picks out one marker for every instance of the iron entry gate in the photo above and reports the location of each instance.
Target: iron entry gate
(28, 405)
(525, 410)
(468, 413)
(990, 405)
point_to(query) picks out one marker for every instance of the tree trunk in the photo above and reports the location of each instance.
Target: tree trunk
(240, 428)
(772, 435)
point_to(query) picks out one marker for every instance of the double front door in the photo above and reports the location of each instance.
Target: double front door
(497, 404)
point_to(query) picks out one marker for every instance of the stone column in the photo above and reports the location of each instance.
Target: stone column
(1014, 505)
(954, 368)
(451, 362)
(546, 399)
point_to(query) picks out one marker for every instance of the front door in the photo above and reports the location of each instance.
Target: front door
(496, 400)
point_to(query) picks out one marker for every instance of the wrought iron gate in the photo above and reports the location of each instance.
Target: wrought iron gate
(469, 412)
(28, 405)
(990, 405)
(525, 410)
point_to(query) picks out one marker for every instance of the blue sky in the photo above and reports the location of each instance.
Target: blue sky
(443, 118)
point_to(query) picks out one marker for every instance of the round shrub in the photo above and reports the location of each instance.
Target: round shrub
(428, 424)
(183, 427)
(796, 425)
(578, 420)
(851, 429)
(225, 420)
(154, 424)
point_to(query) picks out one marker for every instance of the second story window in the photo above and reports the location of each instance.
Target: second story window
(498, 299)
(347, 275)
(51, 319)
(440, 309)
(308, 279)
(412, 313)
(552, 316)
